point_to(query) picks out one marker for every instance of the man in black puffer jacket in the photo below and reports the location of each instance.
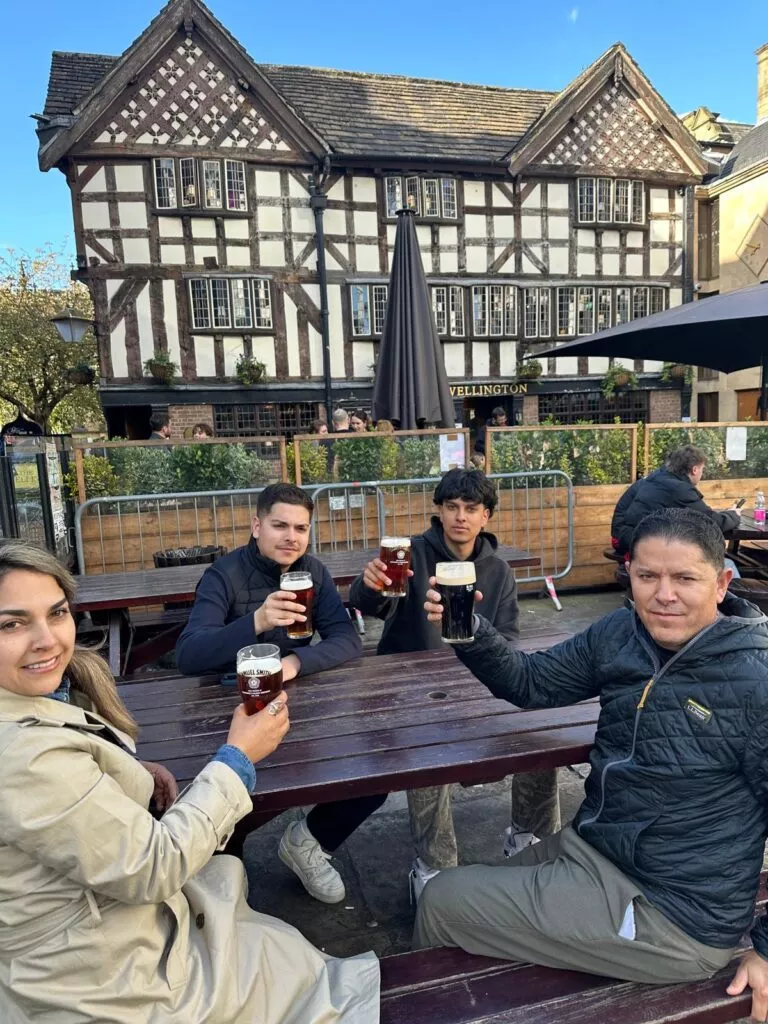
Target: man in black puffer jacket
(657, 877)
(673, 486)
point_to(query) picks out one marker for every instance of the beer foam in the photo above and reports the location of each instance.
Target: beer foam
(304, 583)
(395, 542)
(259, 666)
(455, 574)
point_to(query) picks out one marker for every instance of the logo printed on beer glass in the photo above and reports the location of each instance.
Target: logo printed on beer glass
(259, 675)
(395, 553)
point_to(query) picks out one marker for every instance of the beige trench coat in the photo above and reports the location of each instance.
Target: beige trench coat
(109, 915)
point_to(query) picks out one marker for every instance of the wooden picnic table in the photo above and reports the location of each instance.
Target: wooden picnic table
(392, 722)
(117, 592)
(747, 529)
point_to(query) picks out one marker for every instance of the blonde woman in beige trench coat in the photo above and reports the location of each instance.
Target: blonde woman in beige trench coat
(106, 914)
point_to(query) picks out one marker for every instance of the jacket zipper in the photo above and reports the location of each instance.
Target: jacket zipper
(658, 672)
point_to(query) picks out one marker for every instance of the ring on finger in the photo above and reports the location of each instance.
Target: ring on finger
(275, 707)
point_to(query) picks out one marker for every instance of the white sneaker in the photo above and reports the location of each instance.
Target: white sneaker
(515, 840)
(419, 875)
(301, 852)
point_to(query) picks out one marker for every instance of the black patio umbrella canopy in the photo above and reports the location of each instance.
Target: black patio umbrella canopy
(727, 332)
(411, 386)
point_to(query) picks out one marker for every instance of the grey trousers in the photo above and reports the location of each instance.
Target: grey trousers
(561, 904)
(535, 808)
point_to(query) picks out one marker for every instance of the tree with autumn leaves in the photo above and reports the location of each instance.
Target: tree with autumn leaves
(35, 364)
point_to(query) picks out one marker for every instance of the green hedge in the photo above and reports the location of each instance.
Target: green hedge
(368, 457)
(587, 456)
(712, 441)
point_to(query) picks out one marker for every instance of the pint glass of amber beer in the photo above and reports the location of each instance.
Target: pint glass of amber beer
(300, 584)
(259, 675)
(456, 583)
(396, 555)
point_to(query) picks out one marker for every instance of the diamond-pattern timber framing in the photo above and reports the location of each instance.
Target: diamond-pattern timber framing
(613, 132)
(189, 98)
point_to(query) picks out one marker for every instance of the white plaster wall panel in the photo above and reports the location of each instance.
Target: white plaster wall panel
(426, 260)
(297, 190)
(292, 337)
(233, 349)
(171, 227)
(343, 248)
(424, 236)
(585, 264)
(675, 297)
(628, 364)
(98, 182)
(331, 262)
(95, 216)
(268, 183)
(335, 222)
(391, 234)
(204, 356)
(336, 332)
(271, 254)
(172, 255)
(507, 358)
(263, 347)
(675, 256)
(106, 243)
(363, 189)
(508, 266)
(129, 178)
(315, 352)
(132, 215)
(611, 264)
(449, 262)
(653, 366)
(337, 191)
(136, 250)
(611, 240)
(236, 229)
(500, 198)
(367, 258)
(481, 359)
(530, 227)
(144, 318)
(504, 226)
(534, 199)
(453, 357)
(117, 348)
(634, 264)
(203, 228)
(566, 366)
(558, 259)
(559, 227)
(659, 262)
(597, 364)
(390, 260)
(203, 252)
(449, 236)
(302, 221)
(529, 267)
(238, 256)
(474, 193)
(362, 358)
(477, 259)
(635, 239)
(557, 195)
(270, 218)
(585, 237)
(366, 223)
(659, 230)
(475, 225)
(171, 320)
(659, 200)
(678, 231)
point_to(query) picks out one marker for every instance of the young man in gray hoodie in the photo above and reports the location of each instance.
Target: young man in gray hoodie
(464, 502)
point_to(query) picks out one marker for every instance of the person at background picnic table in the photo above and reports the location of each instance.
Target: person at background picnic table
(239, 602)
(110, 911)
(656, 879)
(319, 427)
(340, 421)
(498, 419)
(385, 427)
(201, 431)
(675, 485)
(464, 502)
(359, 421)
(160, 425)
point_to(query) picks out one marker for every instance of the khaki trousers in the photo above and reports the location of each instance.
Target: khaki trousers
(561, 904)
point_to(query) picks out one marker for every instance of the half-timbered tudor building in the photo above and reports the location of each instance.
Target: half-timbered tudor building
(225, 208)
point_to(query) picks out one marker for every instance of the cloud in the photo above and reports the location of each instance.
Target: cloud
(573, 15)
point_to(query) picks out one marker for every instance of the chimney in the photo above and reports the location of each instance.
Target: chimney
(762, 83)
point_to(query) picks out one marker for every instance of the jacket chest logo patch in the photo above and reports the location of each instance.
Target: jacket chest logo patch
(698, 711)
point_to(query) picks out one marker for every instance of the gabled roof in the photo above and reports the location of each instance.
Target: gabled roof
(73, 76)
(750, 150)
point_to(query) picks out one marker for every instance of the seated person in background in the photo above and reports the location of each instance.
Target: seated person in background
(160, 425)
(498, 419)
(359, 421)
(340, 421)
(202, 430)
(656, 879)
(109, 914)
(675, 485)
(464, 502)
(239, 602)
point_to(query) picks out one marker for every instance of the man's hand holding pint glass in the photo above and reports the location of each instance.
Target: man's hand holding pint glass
(451, 599)
(285, 608)
(389, 573)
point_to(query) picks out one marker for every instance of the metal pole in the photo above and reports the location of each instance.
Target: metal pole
(764, 388)
(318, 202)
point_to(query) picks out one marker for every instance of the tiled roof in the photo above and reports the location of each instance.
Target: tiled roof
(736, 129)
(751, 149)
(73, 76)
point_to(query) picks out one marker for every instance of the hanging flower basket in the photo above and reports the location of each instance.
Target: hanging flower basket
(617, 377)
(161, 368)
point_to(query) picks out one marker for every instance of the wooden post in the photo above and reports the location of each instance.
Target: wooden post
(297, 459)
(633, 463)
(80, 473)
(488, 449)
(647, 452)
(283, 462)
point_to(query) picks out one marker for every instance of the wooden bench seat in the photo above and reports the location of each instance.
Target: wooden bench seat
(449, 986)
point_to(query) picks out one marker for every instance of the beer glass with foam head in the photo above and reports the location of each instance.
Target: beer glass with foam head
(456, 583)
(259, 675)
(395, 553)
(300, 584)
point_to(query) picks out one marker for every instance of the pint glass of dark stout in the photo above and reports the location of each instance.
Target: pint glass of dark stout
(395, 553)
(259, 675)
(300, 584)
(456, 583)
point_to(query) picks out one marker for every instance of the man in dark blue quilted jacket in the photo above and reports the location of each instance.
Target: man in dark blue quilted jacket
(655, 880)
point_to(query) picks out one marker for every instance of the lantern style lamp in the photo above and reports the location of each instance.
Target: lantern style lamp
(71, 326)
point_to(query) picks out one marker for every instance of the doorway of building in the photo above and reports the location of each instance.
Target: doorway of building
(747, 404)
(708, 407)
(130, 421)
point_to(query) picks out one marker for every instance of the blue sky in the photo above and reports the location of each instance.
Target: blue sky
(700, 54)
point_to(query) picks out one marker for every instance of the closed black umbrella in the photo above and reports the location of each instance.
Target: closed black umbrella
(727, 332)
(411, 386)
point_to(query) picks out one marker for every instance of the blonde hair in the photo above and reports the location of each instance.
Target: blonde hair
(384, 427)
(87, 671)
